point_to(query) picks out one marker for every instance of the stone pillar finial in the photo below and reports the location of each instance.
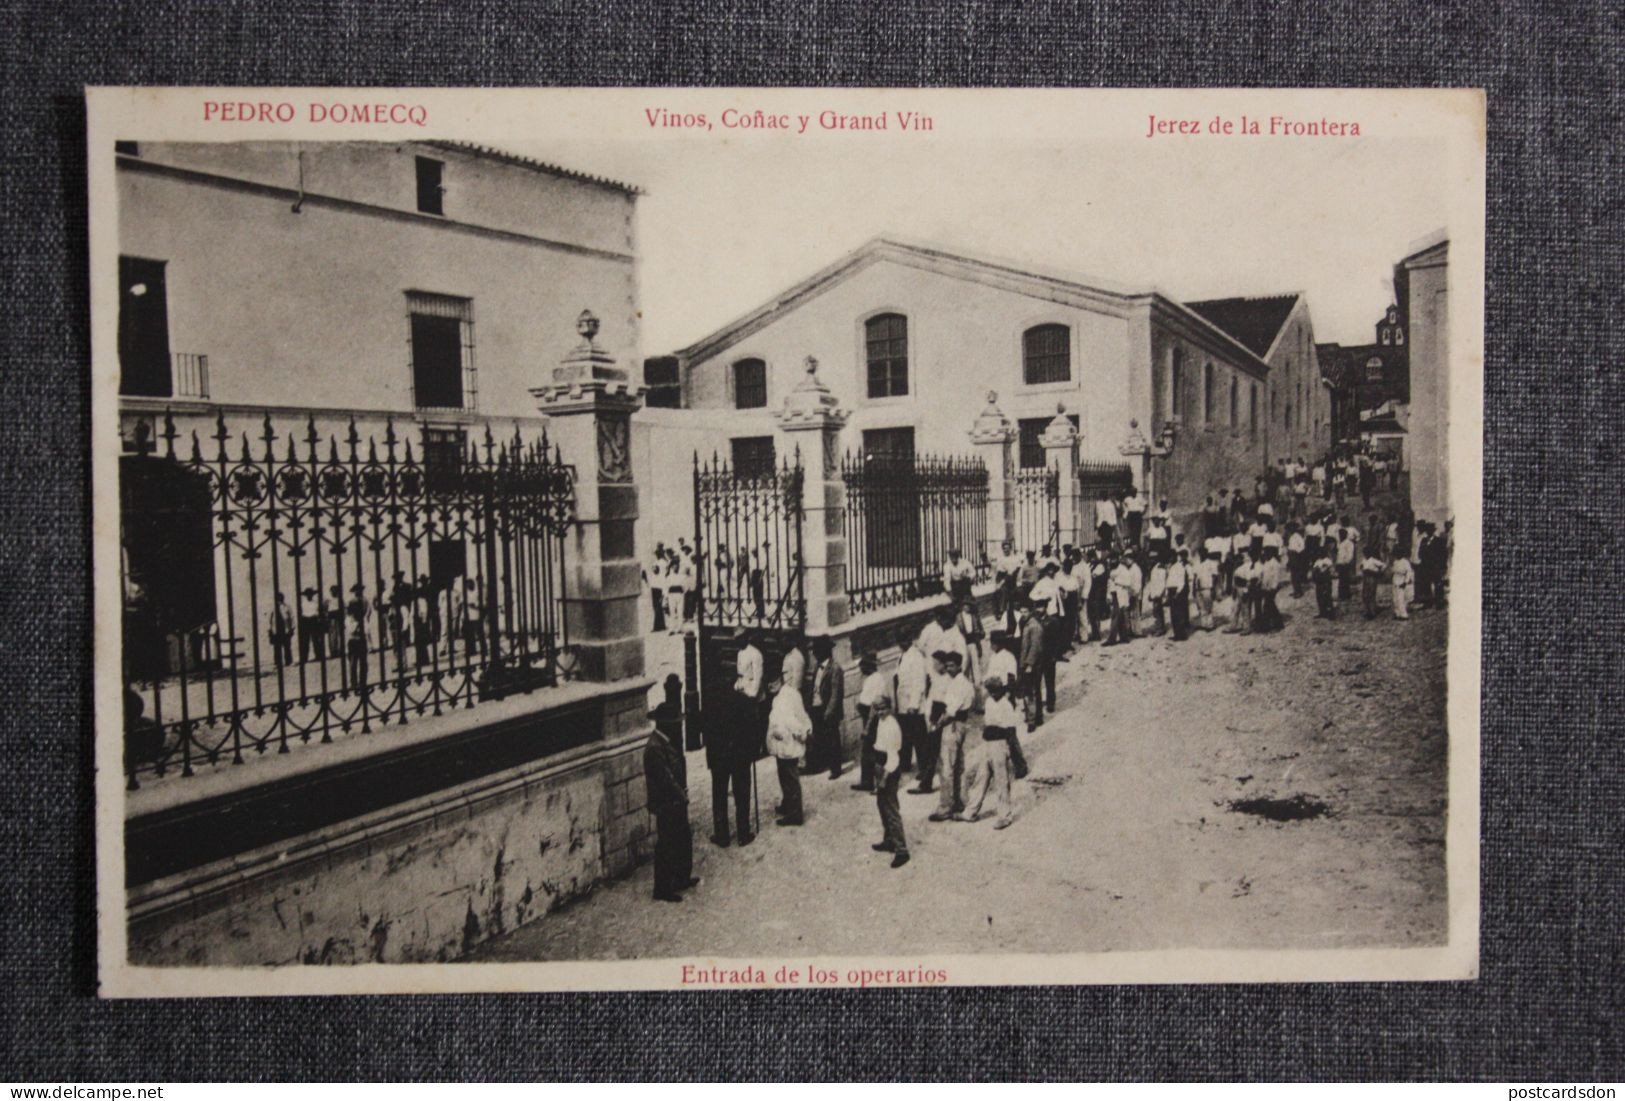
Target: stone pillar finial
(991, 426)
(589, 403)
(587, 325)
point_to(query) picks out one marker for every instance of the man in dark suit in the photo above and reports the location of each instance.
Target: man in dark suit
(828, 706)
(733, 741)
(665, 772)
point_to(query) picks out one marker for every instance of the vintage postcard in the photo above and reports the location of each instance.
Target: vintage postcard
(695, 539)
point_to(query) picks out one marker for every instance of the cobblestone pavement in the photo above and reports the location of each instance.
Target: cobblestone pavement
(1125, 836)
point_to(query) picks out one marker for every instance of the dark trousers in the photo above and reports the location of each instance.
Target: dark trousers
(1323, 598)
(1018, 759)
(866, 751)
(1345, 580)
(674, 850)
(282, 648)
(827, 737)
(790, 807)
(913, 727)
(891, 816)
(1030, 688)
(1048, 671)
(657, 599)
(358, 662)
(929, 742)
(736, 775)
(1132, 522)
(1368, 595)
(312, 636)
(1179, 611)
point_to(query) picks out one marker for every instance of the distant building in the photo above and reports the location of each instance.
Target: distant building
(1279, 330)
(1370, 380)
(912, 338)
(1421, 286)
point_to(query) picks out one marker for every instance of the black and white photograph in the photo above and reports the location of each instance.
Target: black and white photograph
(652, 538)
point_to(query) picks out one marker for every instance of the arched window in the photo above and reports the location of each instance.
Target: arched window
(1387, 336)
(1046, 354)
(1399, 336)
(1207, 394)
(750, 384)
(886, 355)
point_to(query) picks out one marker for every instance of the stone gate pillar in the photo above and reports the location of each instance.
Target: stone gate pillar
(991, 435)
(1060, 440)
(811, 420)
(1139, 451)
(589, 403)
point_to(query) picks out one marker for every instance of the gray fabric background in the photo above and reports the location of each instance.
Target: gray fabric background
(1548, 1006)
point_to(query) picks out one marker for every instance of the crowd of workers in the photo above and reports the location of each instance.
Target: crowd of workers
(966, 687)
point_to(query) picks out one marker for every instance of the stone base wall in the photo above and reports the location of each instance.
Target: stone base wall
(422, 881)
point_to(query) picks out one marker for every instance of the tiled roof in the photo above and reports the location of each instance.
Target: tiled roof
(490, 153)
(1252, 321)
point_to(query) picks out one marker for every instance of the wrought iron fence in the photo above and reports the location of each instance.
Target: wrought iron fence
(904, 513)
(291, 587)
(747, 533)
(1037, 493)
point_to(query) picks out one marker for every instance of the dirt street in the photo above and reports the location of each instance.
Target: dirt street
(1126, 835)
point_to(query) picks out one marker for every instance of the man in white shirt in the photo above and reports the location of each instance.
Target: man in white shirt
(1297, 560)
(888, 754)
(956, 698)
(1106, 519)
(312, 626)
(1005, 568)
(1046, 592)
(1205, 584)
(1156, 582)
(1122, 600)
(957, 575)
(988, 773)
(1003, 667)
(1136, 576)
(1134, 516)
(1345, 557)
(873, 689)
(1176, 596)
(911, 682)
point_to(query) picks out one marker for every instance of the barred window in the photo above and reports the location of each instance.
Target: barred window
(886, 344)
(750, 384)
(1046, 354)
(442, 348)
